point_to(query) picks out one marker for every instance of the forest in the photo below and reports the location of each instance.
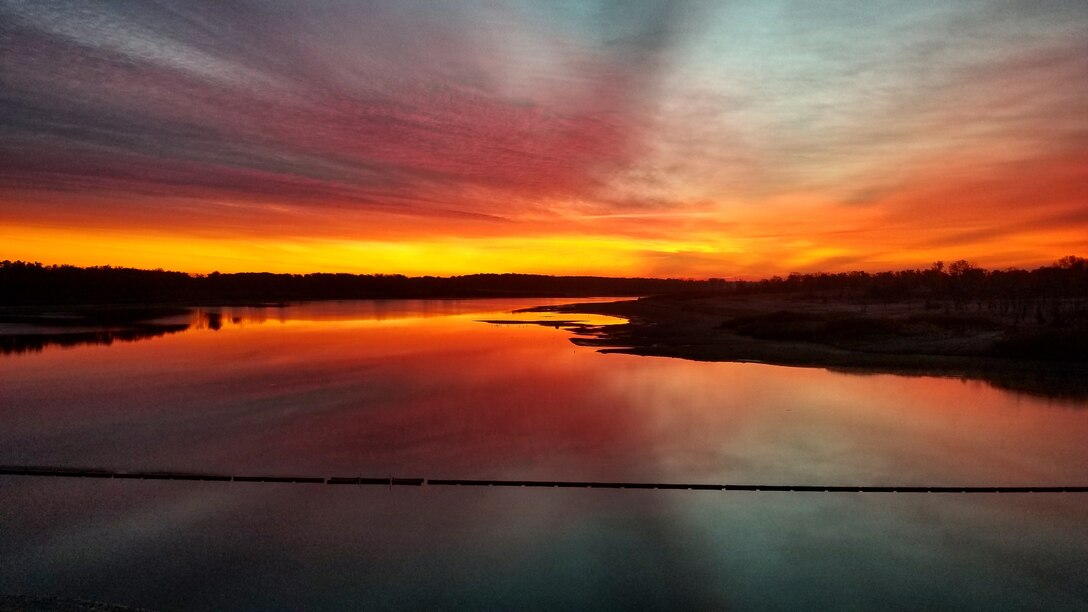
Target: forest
(25, 284)
(959, 285)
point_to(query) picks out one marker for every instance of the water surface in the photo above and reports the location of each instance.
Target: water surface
(424, 389)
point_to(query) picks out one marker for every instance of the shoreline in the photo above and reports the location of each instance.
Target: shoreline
(838, 335)
(871, 340)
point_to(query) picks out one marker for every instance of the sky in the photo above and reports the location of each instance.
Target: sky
(618, 138)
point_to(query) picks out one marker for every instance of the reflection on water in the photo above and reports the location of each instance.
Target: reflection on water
(32, 338)
(424, 389)
(18, 344)
(1064, 382)
(362, 311)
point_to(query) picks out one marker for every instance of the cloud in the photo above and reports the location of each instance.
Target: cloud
(852, 127)
(372, 105)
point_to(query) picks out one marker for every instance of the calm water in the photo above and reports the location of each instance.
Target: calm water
(423, 389)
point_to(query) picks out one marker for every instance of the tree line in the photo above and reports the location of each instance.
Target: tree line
(959, 285)
(1044, 293)
(25, 283)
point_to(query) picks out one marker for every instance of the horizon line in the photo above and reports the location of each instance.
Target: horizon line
(939, 265)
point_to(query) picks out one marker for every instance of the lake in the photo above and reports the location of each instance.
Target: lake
(425, 389)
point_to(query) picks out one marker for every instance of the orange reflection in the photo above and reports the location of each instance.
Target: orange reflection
(448, 396)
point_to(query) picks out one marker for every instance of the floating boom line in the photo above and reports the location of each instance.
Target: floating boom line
(390, 481)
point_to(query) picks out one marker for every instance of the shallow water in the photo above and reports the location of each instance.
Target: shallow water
(424, 389)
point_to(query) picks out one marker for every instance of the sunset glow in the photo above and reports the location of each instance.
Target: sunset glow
(653, 139)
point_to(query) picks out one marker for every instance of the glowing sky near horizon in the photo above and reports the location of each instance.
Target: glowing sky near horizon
(697, 139)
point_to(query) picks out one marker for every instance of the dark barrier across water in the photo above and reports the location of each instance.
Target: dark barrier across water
(389, 481)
